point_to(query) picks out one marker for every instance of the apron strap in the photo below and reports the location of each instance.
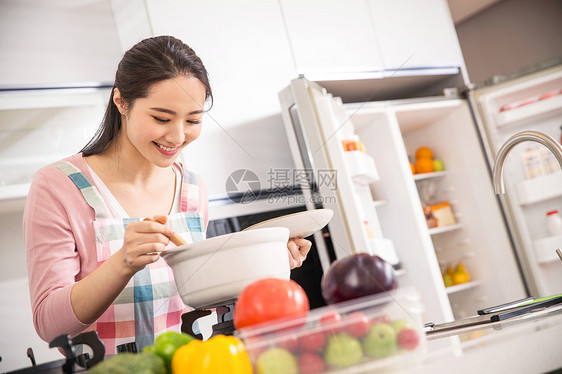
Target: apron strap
(189, 197)
(86, 187)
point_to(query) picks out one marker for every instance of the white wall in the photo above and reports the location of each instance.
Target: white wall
(511, 35)
(245, 50)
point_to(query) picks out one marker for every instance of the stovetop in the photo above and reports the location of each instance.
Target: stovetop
(74, 362)
(80, 362)
(224, 325)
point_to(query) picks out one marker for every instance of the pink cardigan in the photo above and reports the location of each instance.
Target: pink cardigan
(60, 245)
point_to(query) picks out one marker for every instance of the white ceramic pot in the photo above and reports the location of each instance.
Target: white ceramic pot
(214, 271)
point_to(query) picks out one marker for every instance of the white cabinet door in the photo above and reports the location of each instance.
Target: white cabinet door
(415, 34)
(331, 35)
(44, 42)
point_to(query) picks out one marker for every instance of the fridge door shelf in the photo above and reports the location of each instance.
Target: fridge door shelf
(361, 167)
(538, 189)
(462, 287)
(435, 174)
(384, 248)
(529, 111)
(443, 229)
(545, 249)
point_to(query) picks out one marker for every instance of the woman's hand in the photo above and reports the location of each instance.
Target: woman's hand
(298, 249)
(143, 243)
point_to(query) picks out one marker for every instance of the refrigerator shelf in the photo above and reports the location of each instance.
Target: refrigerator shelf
(462, 287)
(529, 111)
(545, 249)
(538, 189)
(440, 230)
(435, 174)
(378, 203)
(361, 167)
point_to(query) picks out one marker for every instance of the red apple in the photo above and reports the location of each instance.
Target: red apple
(312, 341)
(380, 319)
(408, 338)
(310, 363)
(331, 321)
(358, 324)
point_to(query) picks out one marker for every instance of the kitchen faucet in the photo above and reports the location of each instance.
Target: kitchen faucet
(534, 136)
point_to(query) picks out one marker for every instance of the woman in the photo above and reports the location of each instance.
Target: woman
(93, 263)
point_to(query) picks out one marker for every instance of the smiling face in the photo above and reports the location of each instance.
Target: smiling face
(159, 126)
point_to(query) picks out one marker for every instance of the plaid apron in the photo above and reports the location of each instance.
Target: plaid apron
(149, 304)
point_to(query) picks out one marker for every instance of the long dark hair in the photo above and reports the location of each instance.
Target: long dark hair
(150, 61)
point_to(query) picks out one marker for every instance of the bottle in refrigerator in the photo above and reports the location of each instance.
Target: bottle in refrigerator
(554, 223)
(533, 163)
(551, 164)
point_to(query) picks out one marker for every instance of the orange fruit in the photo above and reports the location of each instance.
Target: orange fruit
(413, 168)
(424, 152)
(424, 165)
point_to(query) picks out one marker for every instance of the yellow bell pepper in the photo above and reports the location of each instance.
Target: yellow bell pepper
(220, 354)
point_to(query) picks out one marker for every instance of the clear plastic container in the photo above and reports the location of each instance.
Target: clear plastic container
(377, 332)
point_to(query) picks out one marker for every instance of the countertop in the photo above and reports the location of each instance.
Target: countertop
(528, 344)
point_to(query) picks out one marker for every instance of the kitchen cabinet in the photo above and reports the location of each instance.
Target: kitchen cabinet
(47, 42)
(370, 35)
(415, 34)
(331, 36)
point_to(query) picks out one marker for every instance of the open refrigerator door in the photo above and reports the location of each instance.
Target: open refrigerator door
(532, 175)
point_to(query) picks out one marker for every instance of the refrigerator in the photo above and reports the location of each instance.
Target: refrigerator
(382, 207)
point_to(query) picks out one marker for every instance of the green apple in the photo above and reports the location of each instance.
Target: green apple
(399, 324)
(277, 361)
(343, 350)
(438, 165)
(380, 342)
